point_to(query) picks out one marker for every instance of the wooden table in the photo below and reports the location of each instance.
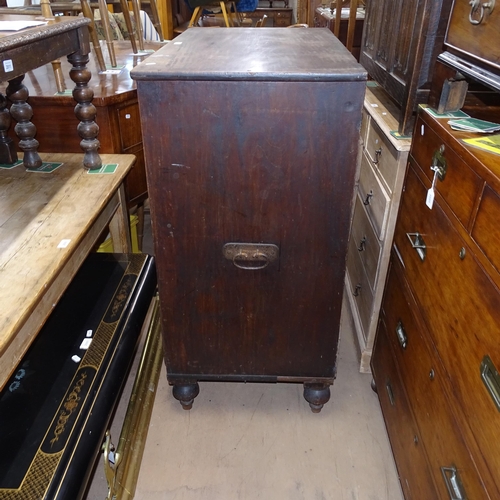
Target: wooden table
(49, 222)
(32, 47)
(115, 98)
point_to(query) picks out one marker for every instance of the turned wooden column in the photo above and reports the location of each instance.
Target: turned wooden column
(8, 152)
(85, 111)
(22, 113)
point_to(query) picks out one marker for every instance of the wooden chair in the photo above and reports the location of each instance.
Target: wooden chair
(261, 22)
(353, 7)
(230, 19)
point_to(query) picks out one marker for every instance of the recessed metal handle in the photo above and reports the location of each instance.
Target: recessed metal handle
(400, 332)
(453, 483)
(491, 379)
(417, 242)
(250, 256)
(378, 152)
(388, 388)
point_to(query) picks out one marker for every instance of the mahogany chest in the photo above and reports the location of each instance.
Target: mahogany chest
(436, 354)
(251, 140)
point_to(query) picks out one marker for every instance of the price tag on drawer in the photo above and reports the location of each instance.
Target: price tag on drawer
(429, 200)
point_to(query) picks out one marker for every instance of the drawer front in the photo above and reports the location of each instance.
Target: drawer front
(360, 287)
(478, 38)
(366, 242)
(404, 436)
(460, 186)
(422, 374)
(130, 126)
(485, 231)
(382, 155)
(464, 325)
(374, 196)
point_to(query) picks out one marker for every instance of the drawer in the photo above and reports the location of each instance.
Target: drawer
(360, 287)
(422, 374)
(374, 197)
(130, 126)
(282, 19)
(460, 186)
(480, 40)
(404, 436)
(365, 242)
(485, 229)
(461, 308)
(382, 155)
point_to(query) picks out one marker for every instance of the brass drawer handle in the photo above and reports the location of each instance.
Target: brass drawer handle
(439, 164)
(357, 288)
(417, 242)
(453, 483)
(479, 7)
(259, 255)
(491, 379)
(401, 333)
(378, 153)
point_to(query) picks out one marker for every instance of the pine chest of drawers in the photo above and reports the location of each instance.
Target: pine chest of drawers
(383, 165)
(251, 162)
(437, 351)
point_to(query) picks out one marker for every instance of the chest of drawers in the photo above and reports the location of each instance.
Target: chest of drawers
(251, 165)
(437, 353)
(383, 164)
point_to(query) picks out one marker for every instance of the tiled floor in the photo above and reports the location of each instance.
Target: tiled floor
(261, 441)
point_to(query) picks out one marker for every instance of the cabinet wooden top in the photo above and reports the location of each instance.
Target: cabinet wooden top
(266, 54)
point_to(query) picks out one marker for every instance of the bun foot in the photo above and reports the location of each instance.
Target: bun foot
(316, 395)
(185, 394)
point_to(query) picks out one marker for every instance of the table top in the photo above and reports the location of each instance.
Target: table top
(26, 49)
(266, 54)
(108, 88)
(44, 217)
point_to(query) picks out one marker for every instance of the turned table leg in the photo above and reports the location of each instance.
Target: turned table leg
(22, 113)
(316, 395)
(8, 154)
(85, 111)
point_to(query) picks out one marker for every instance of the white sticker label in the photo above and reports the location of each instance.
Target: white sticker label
(76, 358)
(429, 200)
(63, 243)
(8, 66)
(89, 333)
(85, 344)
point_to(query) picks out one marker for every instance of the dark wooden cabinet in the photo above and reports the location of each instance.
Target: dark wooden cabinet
(251, 164)
(436, 352)
(401, 41)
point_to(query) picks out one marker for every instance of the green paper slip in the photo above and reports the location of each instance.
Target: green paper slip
(108, 168)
